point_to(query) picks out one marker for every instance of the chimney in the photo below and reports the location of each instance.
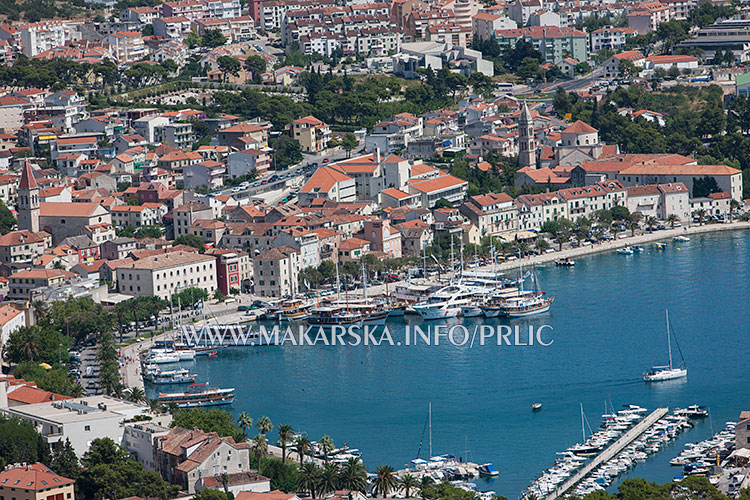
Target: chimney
(376, 155)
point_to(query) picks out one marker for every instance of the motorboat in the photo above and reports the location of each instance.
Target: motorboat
(488, 470)
(445, 303)
(161, 358)
(692, 411)
(638, 248)
(625, 251)
(565, 262)
(681, 239)
(536, 406)
(668, 372)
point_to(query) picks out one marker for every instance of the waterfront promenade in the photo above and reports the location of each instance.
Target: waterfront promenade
(623, 240)
(610, 452)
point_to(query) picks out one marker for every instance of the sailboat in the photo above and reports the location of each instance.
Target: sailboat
(669, 372)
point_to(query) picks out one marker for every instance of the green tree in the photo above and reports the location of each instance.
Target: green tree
(408, 483)
(244, 421)
(191, 240)
(286, 432)
(308, 478)
(20, 442)
(286, 152)
(211, 494)
(260, 449)
(326, 446)
(704, 186)
(213, 38)
(229, 66)
(264, 425)
(353, 475)
(627, 68)
(7, 220)
(257, 66)
(443, 203)
(302, 446)
(65, 461)
(329, 479)
(348, 143)
(385, 481)
(211, 420)
(529, 68)
(672, 219)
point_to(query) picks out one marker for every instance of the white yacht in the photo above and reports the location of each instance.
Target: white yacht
(445, 303)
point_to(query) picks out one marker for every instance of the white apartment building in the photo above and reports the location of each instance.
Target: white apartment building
(126, 47)
(40, 37)
(81, 420)
(165, 274)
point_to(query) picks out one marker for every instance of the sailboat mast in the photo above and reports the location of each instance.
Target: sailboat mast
(583, 425)
(669, 343)
(453, 268)
(429, 412)
(338, 284)
(364, 280)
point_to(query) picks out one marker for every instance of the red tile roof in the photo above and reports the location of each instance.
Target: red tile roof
(32, 477)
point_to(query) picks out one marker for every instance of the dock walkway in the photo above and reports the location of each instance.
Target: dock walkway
(610, 451)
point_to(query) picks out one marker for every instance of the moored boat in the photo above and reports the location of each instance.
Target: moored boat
(625, 251)
(198, 395)
(536, 406)
(565, 262)
(488, 470)
(294, 310)
(681, 239)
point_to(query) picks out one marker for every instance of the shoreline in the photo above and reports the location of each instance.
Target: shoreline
(622, 241)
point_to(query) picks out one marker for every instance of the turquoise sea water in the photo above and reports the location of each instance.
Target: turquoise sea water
(608, 322)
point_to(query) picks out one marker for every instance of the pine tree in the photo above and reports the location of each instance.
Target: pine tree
(64, 461)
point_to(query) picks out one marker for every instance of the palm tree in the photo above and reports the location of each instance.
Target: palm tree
(615, 229)
(427, 482)
(672, 219)
(636, 217)
(76, 391)
(302, 445)
(633, 225)
(285, 434)
(700, 213)
(244, 421)
(264, 425)
(326, 446)
(136, 395)
(651, 222)
(560, 239)
(408, 483)
(353, 476)
(309, 475)
(260, 448)
(155, 406)
(384, 481)
(541, 244)
(522, 247)
(733, 205)
(329, 479)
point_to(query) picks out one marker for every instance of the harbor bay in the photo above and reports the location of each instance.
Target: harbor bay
(607, 326)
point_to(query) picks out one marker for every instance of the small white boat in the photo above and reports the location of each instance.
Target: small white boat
(471, 310)
(164, 358)
(692, 411)
(681, 238)
(488, 470)
(625, 251)
(536, 406)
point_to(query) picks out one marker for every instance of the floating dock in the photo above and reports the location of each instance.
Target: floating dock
(610, 452)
